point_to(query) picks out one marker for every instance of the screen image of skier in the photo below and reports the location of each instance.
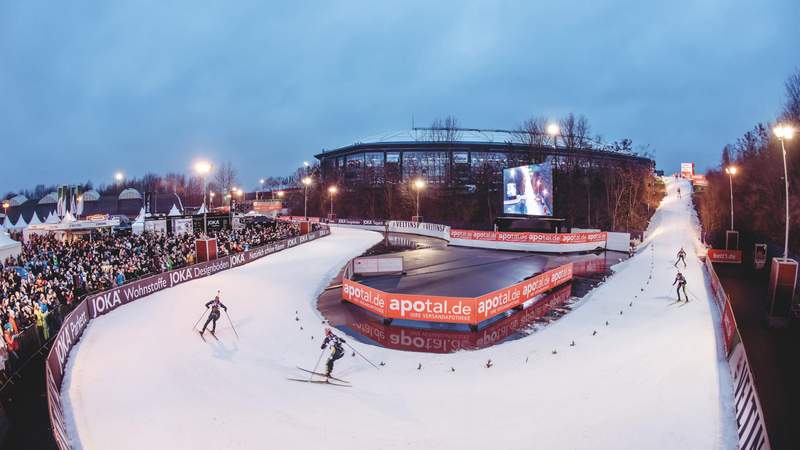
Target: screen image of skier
(528, 190)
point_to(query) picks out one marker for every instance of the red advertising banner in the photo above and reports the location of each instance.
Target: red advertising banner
(428, 308)
(466, 310)
(725, 256)
(539, 238)
(96, 305)
(267, 206)
(501, 300)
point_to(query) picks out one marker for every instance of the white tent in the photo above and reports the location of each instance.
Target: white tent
(137, 227)
(8, 246)
(52, 218)
(35, 219)
(68, 218)
(174, 211)
(6, 223)
(20, 224)
(202, 209)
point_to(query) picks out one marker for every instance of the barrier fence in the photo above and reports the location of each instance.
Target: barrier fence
(499, 240)
(749, 414)
(462, 310)
(102, 303)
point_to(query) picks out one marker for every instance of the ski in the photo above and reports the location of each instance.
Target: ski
(319, 382)
(323, 375)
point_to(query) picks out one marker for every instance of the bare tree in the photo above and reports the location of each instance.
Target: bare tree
(792, 108)
(226, 176)
(575, 131)
(445, 130)
(532, 132)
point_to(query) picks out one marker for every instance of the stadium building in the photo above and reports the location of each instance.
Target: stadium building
(457, 157)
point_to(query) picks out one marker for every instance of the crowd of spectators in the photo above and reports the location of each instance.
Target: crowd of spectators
(38, 286)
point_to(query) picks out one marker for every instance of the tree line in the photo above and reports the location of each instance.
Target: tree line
(758, 185)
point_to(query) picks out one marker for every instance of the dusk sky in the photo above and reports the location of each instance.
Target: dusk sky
(89, 88)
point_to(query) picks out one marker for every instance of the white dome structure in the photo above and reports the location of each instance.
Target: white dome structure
(51, 198)
(91, 196)
(130, 194)
(17, 200)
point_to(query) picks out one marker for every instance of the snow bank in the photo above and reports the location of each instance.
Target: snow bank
(652, 378)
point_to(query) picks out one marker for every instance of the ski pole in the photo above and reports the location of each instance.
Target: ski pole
(194, 327)
(365, 358)
(231, 322)
(317, 364)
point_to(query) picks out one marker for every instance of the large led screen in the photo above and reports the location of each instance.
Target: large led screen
(528, 190)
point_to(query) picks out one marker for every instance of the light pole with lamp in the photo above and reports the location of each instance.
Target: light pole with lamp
(5, 211)
(784, 132)
(261, 192)
(553, 131)
(331, 192)
(419, 184)
(731, 171)
(118, 178)
(731, 236)
(783, 273)
(203, 168)
(306, 183)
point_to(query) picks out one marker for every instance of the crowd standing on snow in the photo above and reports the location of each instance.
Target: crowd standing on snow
(49, 274)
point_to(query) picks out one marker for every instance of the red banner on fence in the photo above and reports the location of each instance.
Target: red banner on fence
(466, 310)
(538, 238)
(725, 256)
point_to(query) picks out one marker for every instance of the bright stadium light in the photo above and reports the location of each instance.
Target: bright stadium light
(119, 176)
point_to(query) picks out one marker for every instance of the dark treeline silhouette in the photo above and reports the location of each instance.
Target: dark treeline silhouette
(758, 186)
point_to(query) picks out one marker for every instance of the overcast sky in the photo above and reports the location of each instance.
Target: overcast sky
(89, 88)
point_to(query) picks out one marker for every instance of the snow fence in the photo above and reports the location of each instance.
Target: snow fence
(104, 302)
(749, 414)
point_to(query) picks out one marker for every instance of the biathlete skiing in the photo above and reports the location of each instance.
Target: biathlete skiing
(215, 305)
(337, 351)
(680, 280)
(681, 257)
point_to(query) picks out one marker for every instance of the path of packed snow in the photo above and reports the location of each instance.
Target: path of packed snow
(652, 378)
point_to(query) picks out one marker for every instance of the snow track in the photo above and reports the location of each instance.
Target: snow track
(652, 378)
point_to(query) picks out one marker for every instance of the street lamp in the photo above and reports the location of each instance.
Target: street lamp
(419, 184)
(203, 168)
(553, 130)
(306, 183)
(261, 181)
(211, 195)
(5, 209)
(331, 192)
(280, 194)
(731, 171)
(784, 132)
(119, 176)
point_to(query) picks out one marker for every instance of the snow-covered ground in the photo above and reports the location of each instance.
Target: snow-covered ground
(652, 378)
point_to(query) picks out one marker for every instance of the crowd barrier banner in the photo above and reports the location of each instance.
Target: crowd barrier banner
(725, 256)
(749, 413)
(502, 300)
(464, 310)
(99, 304)
(421, 228)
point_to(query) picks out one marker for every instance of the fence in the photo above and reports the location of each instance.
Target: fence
(463, 310)
(749, 414)
(498, 240)
(104, 302)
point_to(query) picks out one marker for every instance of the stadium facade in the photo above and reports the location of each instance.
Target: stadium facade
(455, 158)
